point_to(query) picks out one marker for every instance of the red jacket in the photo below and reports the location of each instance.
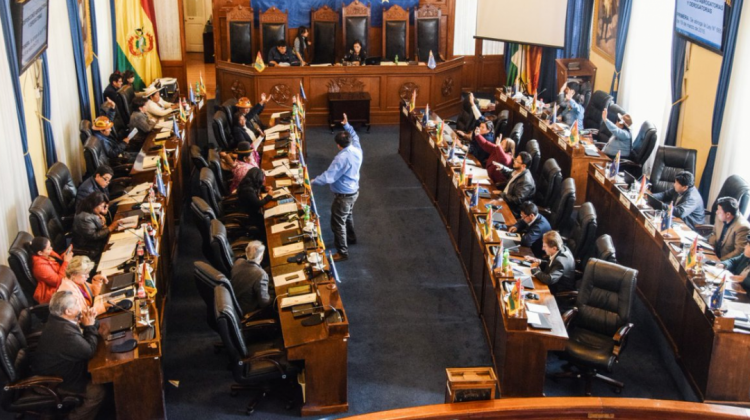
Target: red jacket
(497, 154)
(48, 274)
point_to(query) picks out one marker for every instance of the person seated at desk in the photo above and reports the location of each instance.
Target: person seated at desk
(97, 183)
(302, 45)
(559, 268)
(280, 56)
(48, 268)
(356, 54)
(570, 110)
(622, 139)
(521, 187)
(75, 281)
(157, 107)
(247, 158)
(739, 266)
(251, 113)
(688, 203)
(250, 281)
(113, 148)
(90, 230)
(730, 231)
(67, 343)
(532, 226)
(249, 192)
(486, 130)
(499, 152)
(140, 119)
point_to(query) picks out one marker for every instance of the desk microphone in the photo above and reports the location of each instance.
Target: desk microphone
(124, 305)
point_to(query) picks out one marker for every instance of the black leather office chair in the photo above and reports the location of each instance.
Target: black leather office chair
(223, 253)
(93, 153)
(559, 214)
(214, 163)
(62, 192)
(548, 185)
(21, 392)
(501, 124)
(592, 115)
(324, 25)
(211, 194)
(11, 292)
(583, 235)
(84, 130)
(203, 214)
(427, 32)
(255, 364)
(466, 121)
(643, 145)
(45, 222)
(532, 148)
(668, 163)
(517, 134)
(206, 278)
(196, 156)
(395, 33)
(599, 324)
(229, 109)
(604, 134)
(240, 35)
(222, 130)
(19, 260)
(737, 188)
(125, 96)
(605, 249)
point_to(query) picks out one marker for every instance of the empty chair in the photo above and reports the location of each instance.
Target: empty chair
(210, 193)
(548, 185)
(214, 163)
(501, 124)
(599, 324)
(592, 116)
(532, 148)
(605, 249)
(206, 279)
(254, 363)
(19, 260)
(734, 187)
(203, 214)
(45, 222)
(62, 192)
(643, 146)
(559, 214)
(583, 235)
(84, 129)
(10, 291)
(669, 162)
(516, 134)
(222, 255)
(126, 94)
(222, 130)
(229, 109)
(197, 158)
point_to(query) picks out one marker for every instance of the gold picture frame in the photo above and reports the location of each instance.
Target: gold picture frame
(604, 33)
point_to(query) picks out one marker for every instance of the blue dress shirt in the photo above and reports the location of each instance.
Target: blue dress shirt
(621, 141)
(572, 111)
(343, 174)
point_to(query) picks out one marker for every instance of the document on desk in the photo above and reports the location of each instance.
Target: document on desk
(257, 142)
(277, 128)
(290, 249)
(280, 209)
(128, 222)
(533, 318)
(164, 124)
(284, 279)
(150, 161)
(298, 300)
(164, 135)
(283, 227)
(269, 147)
(279, 170)
(476, 171)
(280, 162)
(504, 234)
(536, 308)
(272, 136)
(280, 191)
(142, 187)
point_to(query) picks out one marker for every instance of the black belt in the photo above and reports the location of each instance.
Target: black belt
(346, 195)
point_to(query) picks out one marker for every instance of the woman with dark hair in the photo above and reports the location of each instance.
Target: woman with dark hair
(128, 77)
(301, 44)
(356, 54)
(90, 230)
(249, 191)
(48, 268)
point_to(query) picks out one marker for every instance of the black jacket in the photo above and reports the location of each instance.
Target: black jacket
(239, 134)
(87, 188)
(560, 276)
(532, 235)
(521, 189)
(90, 235)
(111, 93)
(64, 350)
(688, 207)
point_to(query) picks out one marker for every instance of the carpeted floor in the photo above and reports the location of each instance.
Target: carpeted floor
(410, 310)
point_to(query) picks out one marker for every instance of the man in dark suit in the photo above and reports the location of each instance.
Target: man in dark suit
(730, 229)
(559, 268)
(67, 343)
(520, 187)
(115, 83)
(688, 203)
(250, 281)
(532, 226)
(97, 183)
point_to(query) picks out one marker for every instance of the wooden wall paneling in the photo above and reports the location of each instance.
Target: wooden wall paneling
(469, 74)
(491, 72)
(447, 88)
(697, 342)
(727, 377)
(670, 298)
(401, 88)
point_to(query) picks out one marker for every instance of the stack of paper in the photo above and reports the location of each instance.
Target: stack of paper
(150, 161)
(298, 300)
(284, 279)
(279, 170)
(280, 162)
(290, 249)
(128, 222)
(277, 128)
(283, 227)
(281, 209)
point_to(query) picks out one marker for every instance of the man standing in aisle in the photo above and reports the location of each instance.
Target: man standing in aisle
(343, 175)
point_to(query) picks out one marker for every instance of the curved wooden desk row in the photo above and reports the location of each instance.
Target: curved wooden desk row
(137, 375)
(387, 86)
(519, 355)
(573, 161)
(563, 408)
(714, 356)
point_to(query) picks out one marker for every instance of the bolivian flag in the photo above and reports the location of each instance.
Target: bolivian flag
(259, 65)
(136, 41)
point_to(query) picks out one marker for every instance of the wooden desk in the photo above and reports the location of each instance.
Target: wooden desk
(519, 357)
(573, 161)
(356, 105)
(713, 355)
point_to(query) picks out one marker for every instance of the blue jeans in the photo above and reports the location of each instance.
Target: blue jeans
(342, 221)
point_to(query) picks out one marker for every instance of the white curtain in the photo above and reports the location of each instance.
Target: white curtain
(465, 28)
(16, 199)
(734, 147)
(104, 40)
(66, 114)
(645, 81)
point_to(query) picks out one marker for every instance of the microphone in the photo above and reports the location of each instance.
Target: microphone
(124, 306)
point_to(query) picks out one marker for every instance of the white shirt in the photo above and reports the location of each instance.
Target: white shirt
(161, 109)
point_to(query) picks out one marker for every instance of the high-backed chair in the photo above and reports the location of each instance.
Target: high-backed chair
(222, 254)
(324, 23)
(548, 185)
(203, 214)
(62, 191)
(643, 146)
(95, 156)
(395, 33)
(125, 96)
(214, 163)
(427, 32)
(84, 130)
(605, 249)
(356, 26)
(273, 27)
(669, 162)
(10, 291)
(210, 193)
(612, 111)
(592, 115)
(21, 392)
(501, 124)
(599, 324)
(197, 158)
(517, 134)
(222, 130)
(240, 34)
(736, 187)
(206, 279)
(583, 234)
(254, 364)
(559, 214)
(532, 148)
(45, 222)
(19, 260)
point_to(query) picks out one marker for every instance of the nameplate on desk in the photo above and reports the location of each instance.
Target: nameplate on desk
(625, 201)
(419, 126)
(479, 232)
(442, 160)
(405, 112)
(543, 126)
(523, 111)
(674, 262)
(432, 143)
(562, 143)
(504, 97)
(599, 177)
(699, 300)
(455, 181)
(650, 228)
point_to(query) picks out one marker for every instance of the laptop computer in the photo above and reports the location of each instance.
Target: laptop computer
(120, 322)
(373, 61)
(119, 281)
(655, 203)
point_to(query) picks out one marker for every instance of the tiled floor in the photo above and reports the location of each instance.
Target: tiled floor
(196, 67)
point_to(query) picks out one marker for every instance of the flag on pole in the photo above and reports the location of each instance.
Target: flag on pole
(439, 134)
(642, 191)
(413, 102)
(462, 174)
(452, 152)
(302, 91)
(183, 114)
(191, 94)
(148, 282)
(152, 213)
(136, 41)
(475, 198)
(426, 115)
(431, 64)
(203, 85)
(160, 183)
(514, 300)
(717, 298)
(165, 161)
(615, 168)
(498, 262)
(666, 222)
(259, 64)
(488, 223)
(333, 267)
(533, 104)
(515, 63)
(150, 248)
(691, 258)
(575, 136)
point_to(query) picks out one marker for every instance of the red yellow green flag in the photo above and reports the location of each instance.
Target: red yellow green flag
(148, 282)
(136, 40)
(691, 258)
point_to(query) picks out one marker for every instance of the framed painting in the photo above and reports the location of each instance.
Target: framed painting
(606, 20)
